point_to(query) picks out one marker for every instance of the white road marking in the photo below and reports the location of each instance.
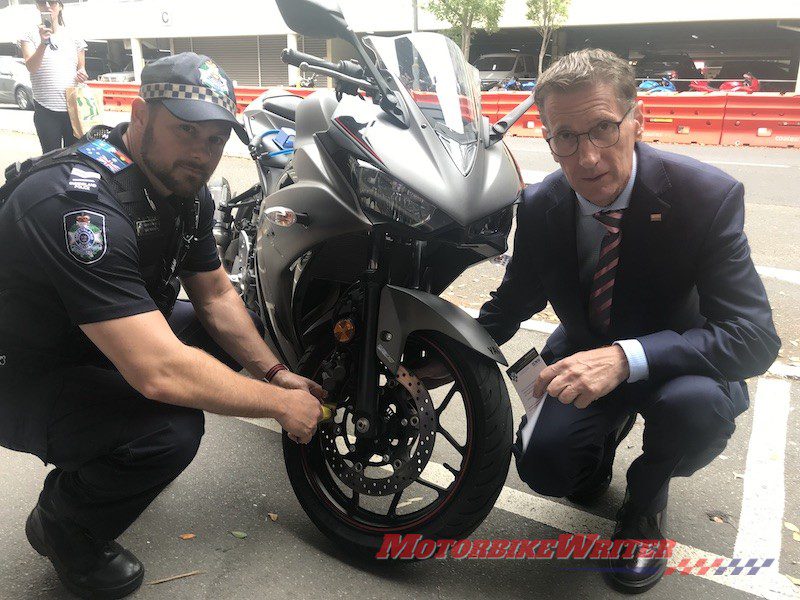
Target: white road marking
(529, 176)
(746, 164)
(786, 275)
(529, 325)
(784, 370)
(761, 518)
(768, 583)
(531, 150)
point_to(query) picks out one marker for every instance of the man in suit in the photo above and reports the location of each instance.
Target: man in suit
(642, 255)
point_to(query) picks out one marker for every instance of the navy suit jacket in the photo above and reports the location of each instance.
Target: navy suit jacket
(686, 286)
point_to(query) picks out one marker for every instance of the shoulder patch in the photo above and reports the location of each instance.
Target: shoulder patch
(85, 235)
(82, 180)
(107, 155)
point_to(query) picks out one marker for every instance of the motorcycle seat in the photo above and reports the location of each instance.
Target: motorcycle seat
(283, 106)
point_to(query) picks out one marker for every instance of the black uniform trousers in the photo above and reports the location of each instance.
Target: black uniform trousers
(688, 421)
(114, 450)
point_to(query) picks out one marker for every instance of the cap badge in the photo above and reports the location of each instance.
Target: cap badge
(211, 77)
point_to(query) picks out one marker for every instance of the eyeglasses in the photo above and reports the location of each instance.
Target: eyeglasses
(603, 135)
(46, 2)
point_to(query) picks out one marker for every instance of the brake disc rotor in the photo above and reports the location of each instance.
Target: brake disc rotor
(417, 427)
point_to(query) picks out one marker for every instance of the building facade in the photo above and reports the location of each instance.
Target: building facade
(246, 38)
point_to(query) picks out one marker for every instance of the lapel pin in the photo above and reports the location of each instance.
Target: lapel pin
(655, 217)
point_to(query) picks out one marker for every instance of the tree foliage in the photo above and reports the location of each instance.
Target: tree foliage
(547, 17)
(466, 15)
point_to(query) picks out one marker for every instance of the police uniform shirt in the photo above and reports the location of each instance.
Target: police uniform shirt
(71, 256)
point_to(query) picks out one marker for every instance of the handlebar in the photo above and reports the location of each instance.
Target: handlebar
(346, 67)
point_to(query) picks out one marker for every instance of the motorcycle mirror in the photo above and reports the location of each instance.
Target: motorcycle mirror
(314, 18)
(324, 19)
(502, 126)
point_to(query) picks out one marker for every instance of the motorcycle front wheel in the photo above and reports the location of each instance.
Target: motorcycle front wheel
(438, 466)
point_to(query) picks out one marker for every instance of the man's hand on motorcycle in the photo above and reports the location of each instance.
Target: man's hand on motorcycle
(584, 377)
(293, 381)
(300, 415)
(432, 373)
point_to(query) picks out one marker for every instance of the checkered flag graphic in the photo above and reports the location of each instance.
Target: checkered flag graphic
(720, 566)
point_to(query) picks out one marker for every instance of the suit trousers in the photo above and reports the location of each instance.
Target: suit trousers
(115, 450)
(688, 421)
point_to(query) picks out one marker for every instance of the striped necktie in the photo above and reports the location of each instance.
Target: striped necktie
(601, 296)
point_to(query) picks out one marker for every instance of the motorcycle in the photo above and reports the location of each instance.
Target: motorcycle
(650, 86)
(515, 85)
(372, 199)
(309, 81)
(749, 85)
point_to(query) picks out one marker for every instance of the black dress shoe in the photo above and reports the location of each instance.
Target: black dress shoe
(87, 568)
(638, 573)
(598, 484)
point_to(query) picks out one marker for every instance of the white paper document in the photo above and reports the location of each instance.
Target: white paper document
(523, 374)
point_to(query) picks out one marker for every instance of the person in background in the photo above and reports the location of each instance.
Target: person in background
(55, 58)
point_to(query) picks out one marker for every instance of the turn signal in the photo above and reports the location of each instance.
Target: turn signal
(344, 331)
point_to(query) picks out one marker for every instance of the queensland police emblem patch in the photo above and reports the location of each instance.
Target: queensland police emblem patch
(211, 77)
(85, 233)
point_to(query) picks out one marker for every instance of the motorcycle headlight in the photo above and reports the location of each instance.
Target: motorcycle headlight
(381, 193)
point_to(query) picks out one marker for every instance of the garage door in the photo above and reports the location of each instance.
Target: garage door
(251, 60)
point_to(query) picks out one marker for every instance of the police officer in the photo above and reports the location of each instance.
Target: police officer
(93, 378)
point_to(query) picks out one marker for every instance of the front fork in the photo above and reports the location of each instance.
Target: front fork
(366, 406)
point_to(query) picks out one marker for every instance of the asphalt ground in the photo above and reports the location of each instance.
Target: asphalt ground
(238, 477)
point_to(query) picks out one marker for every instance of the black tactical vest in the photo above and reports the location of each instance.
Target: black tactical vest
(163, 247)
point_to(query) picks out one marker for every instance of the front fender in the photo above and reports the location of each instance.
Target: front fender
(403, 311)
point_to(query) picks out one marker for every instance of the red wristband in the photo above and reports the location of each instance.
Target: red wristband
(274, 371)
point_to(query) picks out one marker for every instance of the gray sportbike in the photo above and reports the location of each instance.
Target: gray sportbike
(392, 186)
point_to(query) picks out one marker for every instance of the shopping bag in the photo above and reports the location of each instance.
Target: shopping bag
(85, 108)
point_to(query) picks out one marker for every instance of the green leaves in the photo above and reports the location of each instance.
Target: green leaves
(466, 15)
(239, 534)
(547, 13)
(468, 12)
(547, 16)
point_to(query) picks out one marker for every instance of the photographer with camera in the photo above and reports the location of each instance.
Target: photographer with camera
(55, 58)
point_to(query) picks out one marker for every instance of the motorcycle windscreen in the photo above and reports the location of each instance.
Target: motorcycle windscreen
(441, 83)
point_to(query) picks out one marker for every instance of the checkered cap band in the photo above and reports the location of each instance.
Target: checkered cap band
(177, 91)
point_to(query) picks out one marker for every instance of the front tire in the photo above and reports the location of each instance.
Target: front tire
(461, 506)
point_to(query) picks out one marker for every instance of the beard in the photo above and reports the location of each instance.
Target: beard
(175, 177)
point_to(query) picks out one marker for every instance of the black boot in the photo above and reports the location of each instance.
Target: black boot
(88, 568)
(598, 484)
(636, 574)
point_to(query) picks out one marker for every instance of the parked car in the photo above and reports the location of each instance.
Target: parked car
(15, 82)
(96, 66)
(760, 69)
(494, 68)
(672, 66)
(124, 76)
(97, 58)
